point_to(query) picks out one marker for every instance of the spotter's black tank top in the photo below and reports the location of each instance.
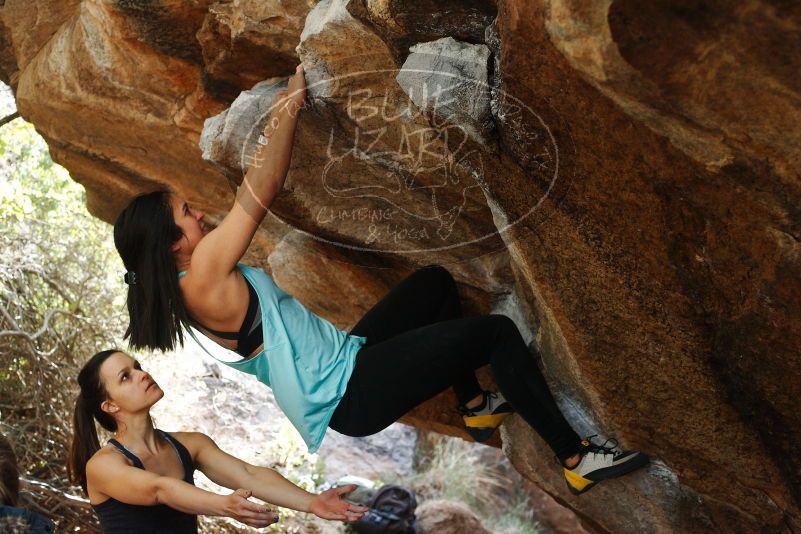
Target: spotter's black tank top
(120, 518)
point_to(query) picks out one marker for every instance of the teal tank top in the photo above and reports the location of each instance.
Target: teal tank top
(306, 360)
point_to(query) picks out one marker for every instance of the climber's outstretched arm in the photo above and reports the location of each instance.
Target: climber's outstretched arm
(222, 248)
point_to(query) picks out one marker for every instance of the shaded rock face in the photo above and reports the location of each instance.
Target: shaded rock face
(624, 184)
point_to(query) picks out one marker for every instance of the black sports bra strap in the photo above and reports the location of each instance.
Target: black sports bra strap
(233, 336)
(247, 323)
(128, 454)
(253, 303)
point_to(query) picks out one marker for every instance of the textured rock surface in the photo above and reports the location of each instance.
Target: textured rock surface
(446, 517)
(633, 205)
(448, 78)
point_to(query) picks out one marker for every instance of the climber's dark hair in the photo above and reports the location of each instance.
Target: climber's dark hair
(87, 411)
(9, 474)
(143, 234)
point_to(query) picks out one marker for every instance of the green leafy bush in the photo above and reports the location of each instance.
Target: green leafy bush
(59, 303)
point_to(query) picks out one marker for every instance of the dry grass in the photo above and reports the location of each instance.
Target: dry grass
(478, 477)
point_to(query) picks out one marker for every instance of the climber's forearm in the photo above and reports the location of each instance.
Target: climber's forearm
(277, 153)
(220, 251)
(265, 177)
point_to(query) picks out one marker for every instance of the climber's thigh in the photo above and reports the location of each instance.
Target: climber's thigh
(426, 296)
(397, 374)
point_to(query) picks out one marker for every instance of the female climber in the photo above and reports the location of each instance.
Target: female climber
(142, 481)
(410, 346)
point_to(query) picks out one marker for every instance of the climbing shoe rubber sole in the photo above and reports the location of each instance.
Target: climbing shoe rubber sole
(482, 427)
(578, 484)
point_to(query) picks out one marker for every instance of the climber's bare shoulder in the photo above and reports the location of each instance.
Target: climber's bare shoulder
(219, 303)
(215, 257)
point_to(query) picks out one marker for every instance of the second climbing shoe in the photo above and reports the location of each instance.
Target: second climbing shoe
(481, 421)
(601, 462)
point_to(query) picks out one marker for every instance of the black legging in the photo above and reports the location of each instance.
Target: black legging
(418, 345)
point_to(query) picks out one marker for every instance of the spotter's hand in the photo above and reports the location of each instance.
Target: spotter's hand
(329, 505)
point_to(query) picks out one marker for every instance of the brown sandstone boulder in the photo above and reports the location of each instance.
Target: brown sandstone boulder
(629, 195)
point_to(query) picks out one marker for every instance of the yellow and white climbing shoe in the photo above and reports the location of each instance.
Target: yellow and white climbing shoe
(601, 462)
(481, 422)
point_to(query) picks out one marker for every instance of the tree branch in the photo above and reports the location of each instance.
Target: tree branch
(8, 118)
(50, 491)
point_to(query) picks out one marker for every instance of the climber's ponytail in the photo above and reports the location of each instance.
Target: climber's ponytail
(144, 234)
